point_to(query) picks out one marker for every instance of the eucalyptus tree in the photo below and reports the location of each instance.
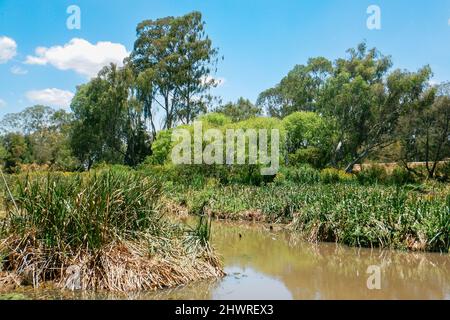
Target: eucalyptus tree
(109, 123)
(424, 132)
(174, 60)
(45, 132)
(358, 95)
(242, 109)
(366, 101)
(298, 91)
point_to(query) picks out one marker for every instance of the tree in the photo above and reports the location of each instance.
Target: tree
(424, 131)
(298, 91)
(16, 151)
(45, 132)
(173, 59)
(30, 120)
(109, 119)
(308, 138)
(366, 101)
(243, 109)
(358, 95)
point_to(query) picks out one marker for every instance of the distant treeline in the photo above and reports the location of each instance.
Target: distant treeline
(332, 113)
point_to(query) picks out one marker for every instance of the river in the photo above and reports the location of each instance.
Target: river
(262, 263)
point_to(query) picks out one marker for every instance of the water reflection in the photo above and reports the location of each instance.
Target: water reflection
(266, 264)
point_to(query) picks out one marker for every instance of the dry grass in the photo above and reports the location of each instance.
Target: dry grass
(121, 266)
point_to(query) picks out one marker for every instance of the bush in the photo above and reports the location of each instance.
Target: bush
(301, 174)
(372, 174)
(161, 148)
(215, 119)
(332, 175)
(311, 155)
(401, 176)
(443, 172)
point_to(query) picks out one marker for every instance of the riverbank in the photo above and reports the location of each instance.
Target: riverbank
(98, 231)
(405, 217)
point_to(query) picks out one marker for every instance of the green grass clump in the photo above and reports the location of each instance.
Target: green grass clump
(101, 230)
(85, 210)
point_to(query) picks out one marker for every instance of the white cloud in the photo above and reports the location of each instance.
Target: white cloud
(8, 49)
(2, 103)
(51, 97)
(19, 71)
(80, 55)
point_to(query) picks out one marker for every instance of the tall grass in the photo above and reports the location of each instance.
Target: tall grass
(105, 226)
(86, 210)
(370, 216)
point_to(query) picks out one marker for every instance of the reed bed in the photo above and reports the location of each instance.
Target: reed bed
(409, 217)
(98, 231)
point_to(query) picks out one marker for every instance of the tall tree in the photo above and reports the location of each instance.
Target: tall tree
(46, 133)
(366, 101)
(174, 60)
(424, 131)
(298, 91)
(15, 151)
(109, 119)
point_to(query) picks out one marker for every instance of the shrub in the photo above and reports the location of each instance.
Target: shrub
(401, 176)
(332, 175)
(301, 174)
(443, 172)
(311, 155)
(215, 119)
(372, 174)
(161, 148)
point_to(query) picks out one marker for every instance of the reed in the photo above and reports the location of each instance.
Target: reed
(393, 216)
(100, 230)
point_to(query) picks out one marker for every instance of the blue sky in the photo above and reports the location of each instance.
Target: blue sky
(261, 40)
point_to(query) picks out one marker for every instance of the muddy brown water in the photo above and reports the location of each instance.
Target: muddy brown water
(268, 264)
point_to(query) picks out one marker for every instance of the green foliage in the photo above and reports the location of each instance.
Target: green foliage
(303, 174)
(444, 172)
(242, 110)
(174, 58)
(367, 216)
(423, 132)
(311, 155)
(332, 175)
(85, 211)
(308, 138)
(16, 151)
(373, 174)
(298, 91)
(161, 148)
(401, 176)
(360, 100)
(109, 123)
(215, 119)
(202, 231)
(44, 141)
